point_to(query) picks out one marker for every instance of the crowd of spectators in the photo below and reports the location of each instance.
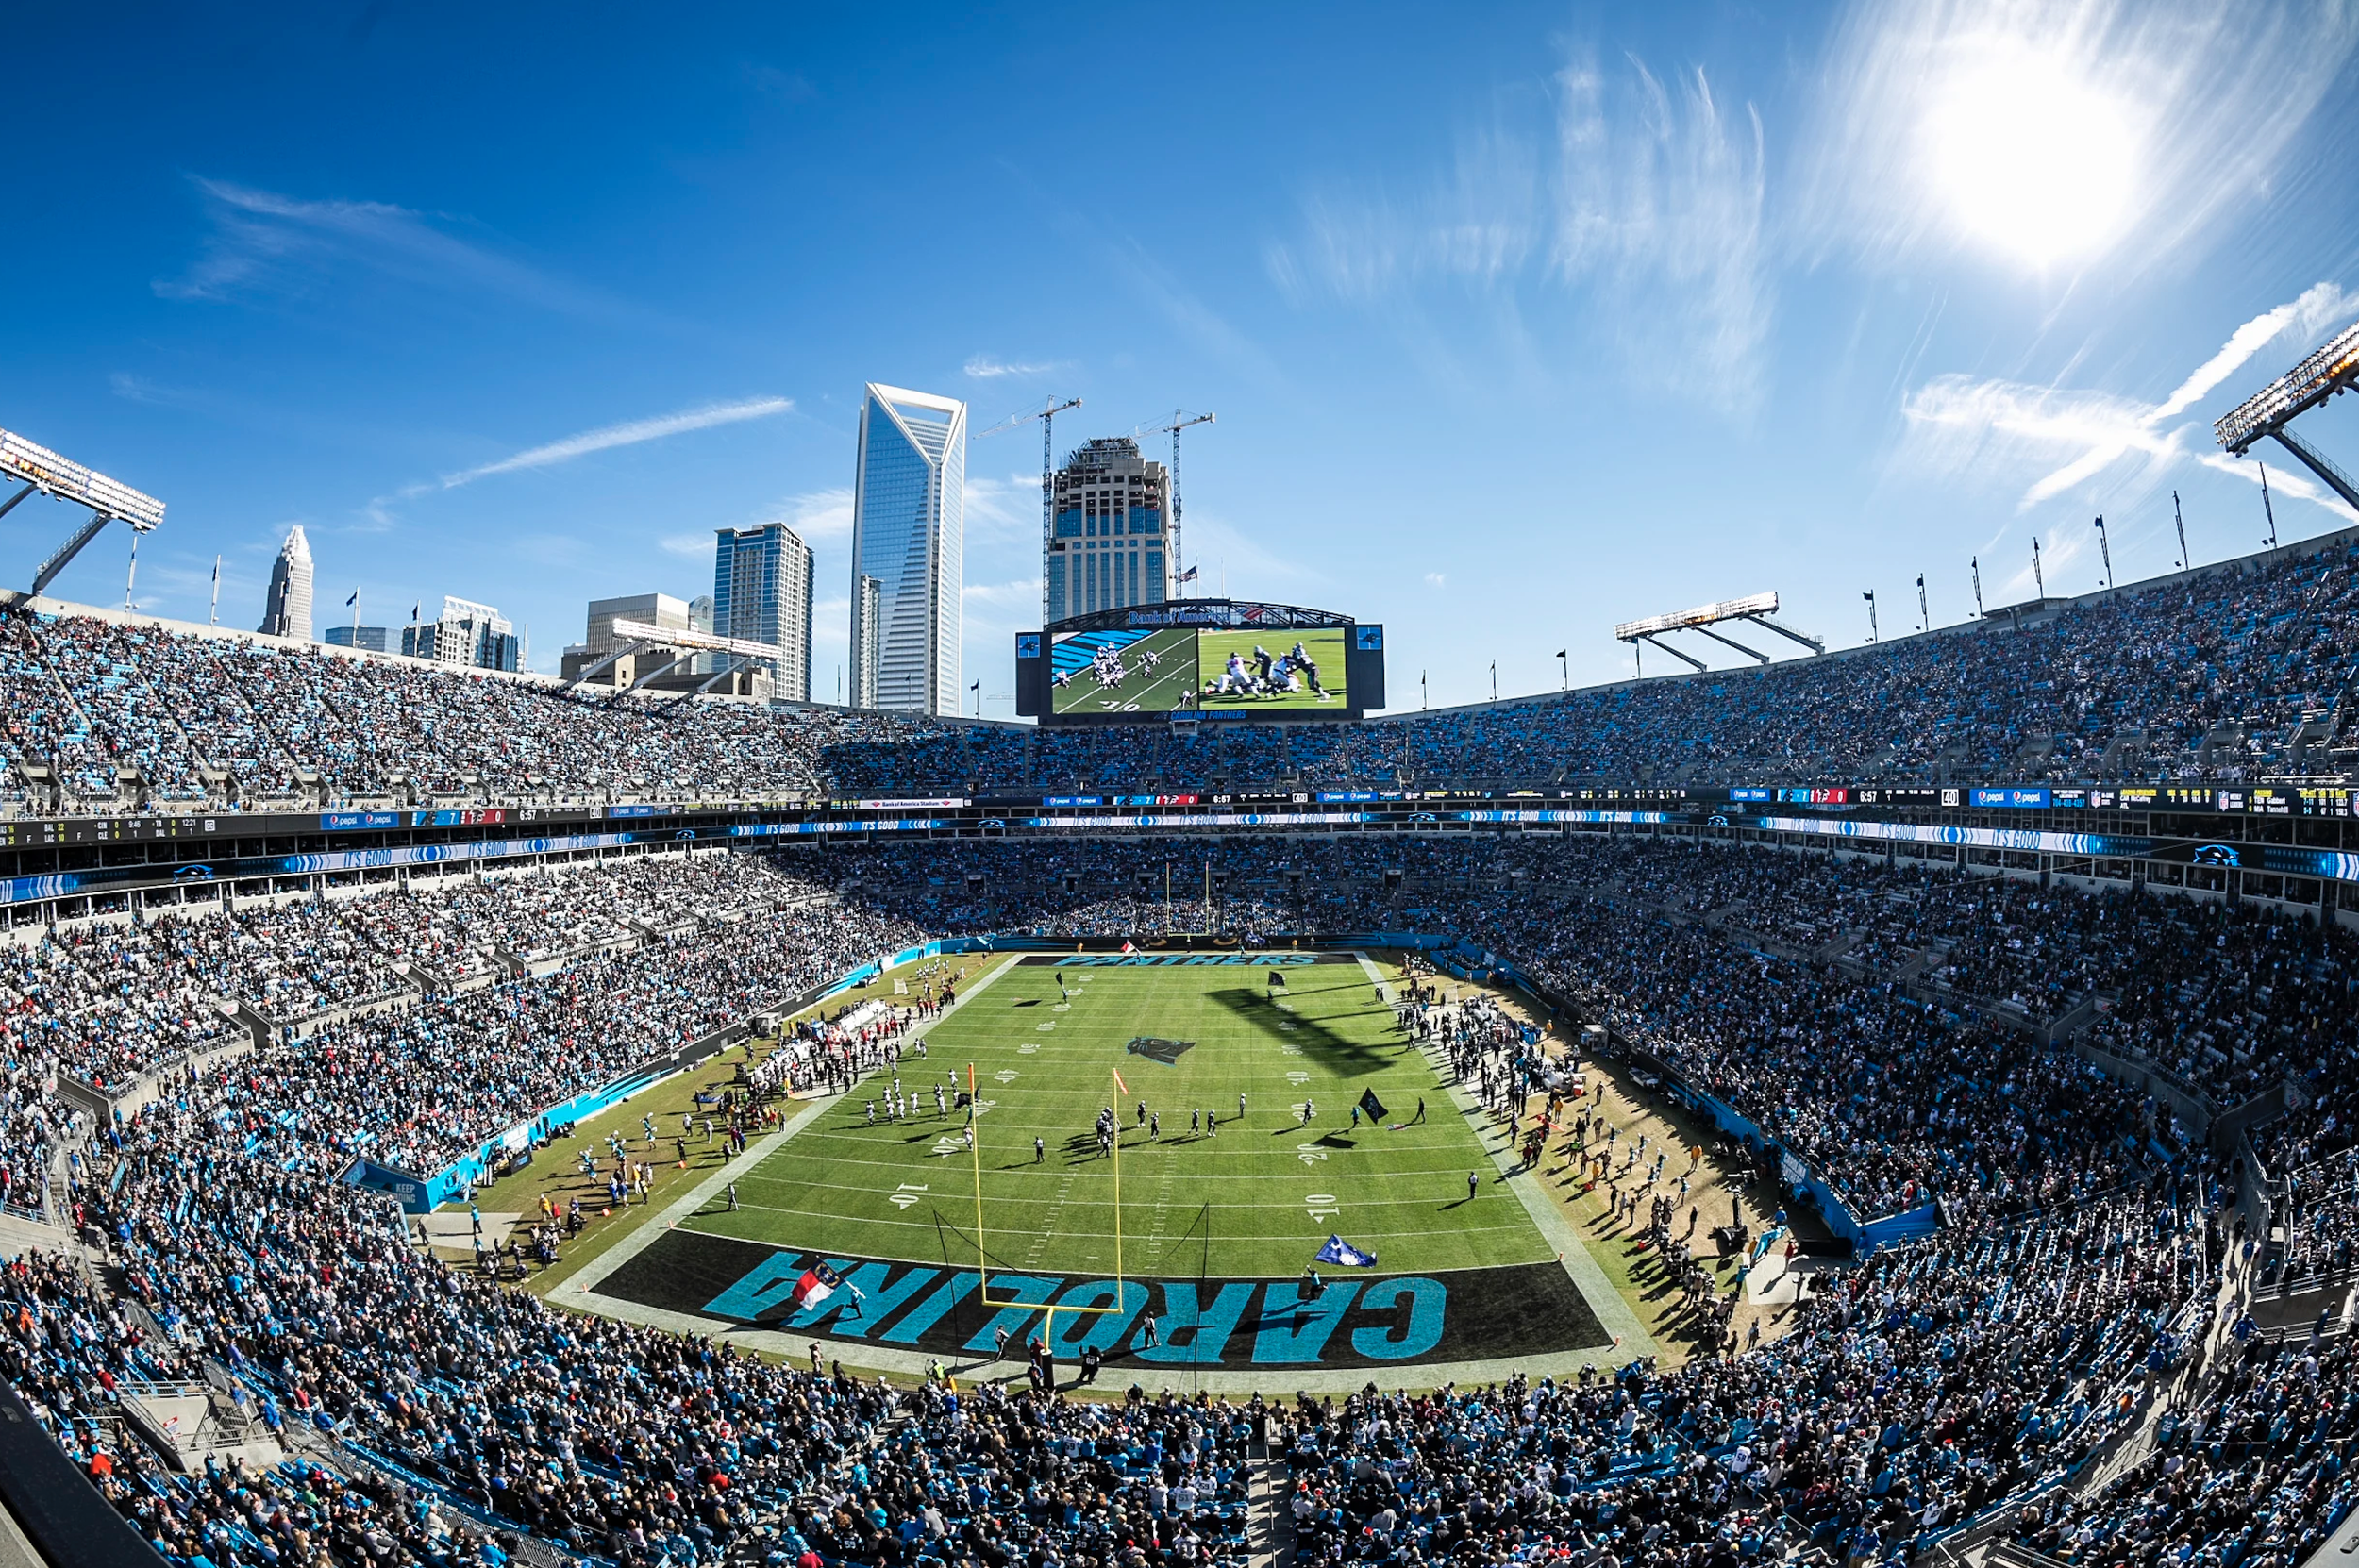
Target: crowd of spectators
(2082, 1246)
(2209, 676)
(2317, 1218)
(2124, 685)
(2252, 1476)
(111, 999)
(217, 718)
(1908, 1396)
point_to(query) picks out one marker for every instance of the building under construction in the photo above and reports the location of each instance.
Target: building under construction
(1109, 532)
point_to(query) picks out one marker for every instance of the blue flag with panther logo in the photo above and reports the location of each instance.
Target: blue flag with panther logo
(1345, 1255)
(1372, 1108)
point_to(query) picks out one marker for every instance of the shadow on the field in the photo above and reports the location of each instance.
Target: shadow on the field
(1032, 1002)
(1336, 1141)
(1316, 1040)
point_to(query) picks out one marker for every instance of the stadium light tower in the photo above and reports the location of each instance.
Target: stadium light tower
(36, 468)
(2328, 373)
(1757, 609)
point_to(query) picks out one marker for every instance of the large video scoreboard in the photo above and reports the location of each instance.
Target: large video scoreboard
(1200, 659)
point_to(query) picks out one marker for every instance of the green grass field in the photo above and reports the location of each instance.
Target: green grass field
(1266, 1190)
(1326, 648)
(1157, 689)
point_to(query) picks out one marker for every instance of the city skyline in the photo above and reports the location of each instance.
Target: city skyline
(1812, 301)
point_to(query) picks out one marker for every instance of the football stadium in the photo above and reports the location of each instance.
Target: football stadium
(1895, 1104)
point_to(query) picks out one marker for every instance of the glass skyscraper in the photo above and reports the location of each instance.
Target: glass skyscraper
(762, 586)
(909, 528)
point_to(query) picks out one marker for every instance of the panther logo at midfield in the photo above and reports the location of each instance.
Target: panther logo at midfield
(1165, 1051)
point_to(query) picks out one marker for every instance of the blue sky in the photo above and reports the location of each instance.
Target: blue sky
(1518, 320)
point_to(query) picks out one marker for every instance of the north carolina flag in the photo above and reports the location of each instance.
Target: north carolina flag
(816, 1285)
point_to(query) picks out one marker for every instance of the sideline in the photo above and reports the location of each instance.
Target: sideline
(580, 1289)
(1631, 1337)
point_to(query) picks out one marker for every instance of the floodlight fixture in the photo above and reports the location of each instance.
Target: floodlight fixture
(1703, 615)
(1756, 609)
(29, 463)
(671, 637)
(35, 467)
(2331, 369)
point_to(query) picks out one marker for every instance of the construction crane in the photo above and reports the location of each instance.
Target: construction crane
(1047, 413)
(1180, 420)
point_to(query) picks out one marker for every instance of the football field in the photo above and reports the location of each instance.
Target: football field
(1256, 1194)
(1159, 673)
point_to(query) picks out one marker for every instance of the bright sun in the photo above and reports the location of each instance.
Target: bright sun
(2030, 159)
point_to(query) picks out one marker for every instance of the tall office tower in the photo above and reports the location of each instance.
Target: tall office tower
(762, 589)
(909, 529)
(868, 626)
(349, 636)
(465, 633)
(1105, 549)
(287, 608)
(700, 619)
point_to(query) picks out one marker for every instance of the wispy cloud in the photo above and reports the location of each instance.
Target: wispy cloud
(1022, 592)
(629, 433)
(819, 515)
(1005, 508)
(1959, 421)
(1479, 223)
(1437, 579)
(982, 367)
(1642, 194)
(1660, 199)
(1189, 315)
(2285, 481)
(262, 242)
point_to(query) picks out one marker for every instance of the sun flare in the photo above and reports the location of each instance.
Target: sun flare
(2031, 160)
